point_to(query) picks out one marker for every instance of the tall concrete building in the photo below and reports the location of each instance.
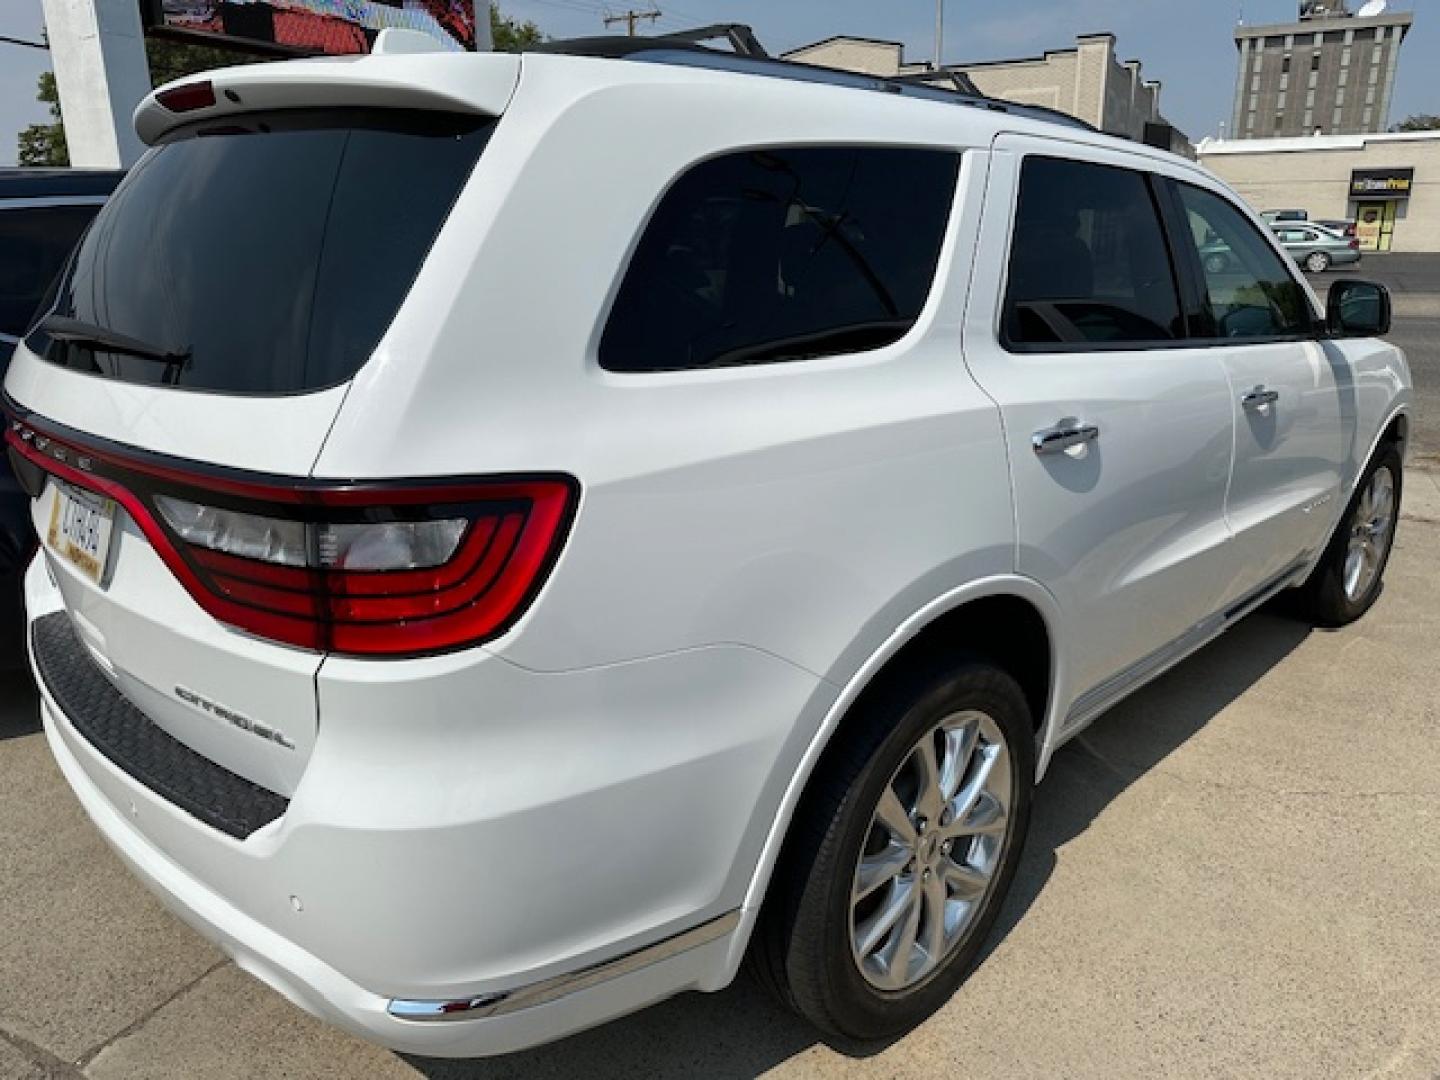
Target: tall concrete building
(1329, 73)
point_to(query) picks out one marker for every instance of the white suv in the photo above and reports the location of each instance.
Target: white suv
(521, 532)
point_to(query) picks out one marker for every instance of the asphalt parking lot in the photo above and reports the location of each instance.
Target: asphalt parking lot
(1234, 873)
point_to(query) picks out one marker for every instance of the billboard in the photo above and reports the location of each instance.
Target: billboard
(327, 27)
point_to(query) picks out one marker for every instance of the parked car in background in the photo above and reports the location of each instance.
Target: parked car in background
(479, 645)
(42, 214)
(1343, 226)
(1316, 249)
(1284, 215)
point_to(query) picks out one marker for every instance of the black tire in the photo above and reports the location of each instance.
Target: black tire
(802, 945)
(1317, 262)
(1323, 597)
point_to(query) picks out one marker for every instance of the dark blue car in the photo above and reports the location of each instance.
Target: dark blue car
(42, 214)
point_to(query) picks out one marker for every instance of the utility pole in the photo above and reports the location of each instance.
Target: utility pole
(939, 35)
(631, 17)
(97, 49)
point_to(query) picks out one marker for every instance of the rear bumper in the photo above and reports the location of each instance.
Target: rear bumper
(405, 871)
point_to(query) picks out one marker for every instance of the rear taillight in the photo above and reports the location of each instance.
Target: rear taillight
(365, 569)
(1355, 245)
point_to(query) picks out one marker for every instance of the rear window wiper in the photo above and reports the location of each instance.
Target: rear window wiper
(88, 335)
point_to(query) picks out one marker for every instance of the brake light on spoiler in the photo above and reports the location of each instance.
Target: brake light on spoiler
(378, 569)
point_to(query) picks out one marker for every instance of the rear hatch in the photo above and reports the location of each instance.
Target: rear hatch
(203, 335)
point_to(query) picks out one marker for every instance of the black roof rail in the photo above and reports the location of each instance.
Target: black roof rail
(681, 50)
(945, 79)
(741, 38)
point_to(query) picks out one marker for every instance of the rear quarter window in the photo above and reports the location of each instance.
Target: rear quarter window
(783, 255)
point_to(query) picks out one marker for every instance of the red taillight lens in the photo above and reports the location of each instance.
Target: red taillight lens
(1355, 244)
(379, 569)
(187, 98)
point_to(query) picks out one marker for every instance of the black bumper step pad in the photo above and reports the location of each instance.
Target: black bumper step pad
(133, 742)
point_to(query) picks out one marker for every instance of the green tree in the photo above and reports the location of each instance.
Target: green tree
(171, 60)
(512, 35)
(44, 144)
(1419, 122)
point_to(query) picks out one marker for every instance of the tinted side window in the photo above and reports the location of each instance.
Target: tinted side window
(782, 255)
(1250, 290)
(1088, 260)
(34, 243)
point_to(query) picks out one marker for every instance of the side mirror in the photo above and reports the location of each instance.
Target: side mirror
(1357, 309)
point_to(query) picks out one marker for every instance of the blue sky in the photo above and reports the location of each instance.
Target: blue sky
(1185, 45)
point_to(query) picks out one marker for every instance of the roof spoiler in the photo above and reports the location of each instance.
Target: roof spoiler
(401, 76)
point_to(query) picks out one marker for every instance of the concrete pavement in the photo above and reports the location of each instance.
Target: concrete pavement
(1234, 873)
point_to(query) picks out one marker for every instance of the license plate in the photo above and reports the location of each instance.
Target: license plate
(80, 528)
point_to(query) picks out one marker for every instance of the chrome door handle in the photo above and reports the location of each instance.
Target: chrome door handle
(1064, 435)
(1260, 398)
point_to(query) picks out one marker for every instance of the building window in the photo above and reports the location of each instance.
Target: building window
(1370, 96)
(1254, 102)
(1315, 61)
(1369, 115)
(1374, 74)
(1285, 66)
(1344, 76)
(1310, 99)
(1279, 121)
(1284, 83)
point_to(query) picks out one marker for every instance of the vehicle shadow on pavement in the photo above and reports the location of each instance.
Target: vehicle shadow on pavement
(1095, 768)
(741, 1033)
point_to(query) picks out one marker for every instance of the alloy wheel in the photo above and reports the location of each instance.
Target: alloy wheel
(935, 842)
(1370, 532)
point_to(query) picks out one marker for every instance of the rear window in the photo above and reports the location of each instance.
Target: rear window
(783, 255)
(34, 242)
(265, 255)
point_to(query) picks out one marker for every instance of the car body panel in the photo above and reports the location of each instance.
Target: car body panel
(1129, 533)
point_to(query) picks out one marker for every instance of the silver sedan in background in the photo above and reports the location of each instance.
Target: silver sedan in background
(1314, 247)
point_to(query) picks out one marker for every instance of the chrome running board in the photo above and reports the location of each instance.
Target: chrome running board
(527, 997)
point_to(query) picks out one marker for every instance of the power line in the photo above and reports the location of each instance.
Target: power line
(21, 41)
(631, 17)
